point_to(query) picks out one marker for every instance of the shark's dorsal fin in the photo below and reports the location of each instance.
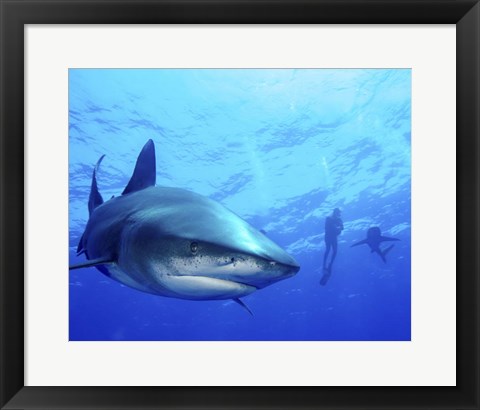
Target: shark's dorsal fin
(242, 304)
(144, 174)
(95, 198)
(92, 262)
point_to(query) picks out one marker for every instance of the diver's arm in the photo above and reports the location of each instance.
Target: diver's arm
(338, 226)
(328, 224)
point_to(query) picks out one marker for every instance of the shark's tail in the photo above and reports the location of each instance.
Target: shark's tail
(95, 199)
(384, 253)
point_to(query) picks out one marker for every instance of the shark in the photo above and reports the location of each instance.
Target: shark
(374, 239)
(176, 243)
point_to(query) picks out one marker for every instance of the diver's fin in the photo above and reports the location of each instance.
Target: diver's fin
(242, 304)
(359, 243)
(385, 239)
(92, 262)
(385, 251)
(326, 276)
(95, 198)
(144, 174)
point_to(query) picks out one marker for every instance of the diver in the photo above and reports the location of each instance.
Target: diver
(333, 228)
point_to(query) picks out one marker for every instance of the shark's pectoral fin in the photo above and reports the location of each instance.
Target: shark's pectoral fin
(92, 262)
(242, 304)
(359, 243)
(144, 174)
(385, 239)
(95, 199)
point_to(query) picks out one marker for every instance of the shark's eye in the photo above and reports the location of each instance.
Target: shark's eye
(194, 247)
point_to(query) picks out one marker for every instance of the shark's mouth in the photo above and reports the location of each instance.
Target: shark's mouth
(206, 288)
(244, 270)
(257, 279)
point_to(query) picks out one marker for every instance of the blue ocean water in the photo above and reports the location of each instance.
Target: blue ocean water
(281, 148)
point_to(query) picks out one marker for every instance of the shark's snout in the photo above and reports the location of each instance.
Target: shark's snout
(292, 270)
(264, 272)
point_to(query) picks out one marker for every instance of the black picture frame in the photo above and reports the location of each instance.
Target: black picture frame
(15, 14)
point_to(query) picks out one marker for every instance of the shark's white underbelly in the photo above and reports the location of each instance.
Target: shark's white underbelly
(184, 286)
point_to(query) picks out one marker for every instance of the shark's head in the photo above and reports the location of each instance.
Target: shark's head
(374, 233)
(186, 234)
(199, 257)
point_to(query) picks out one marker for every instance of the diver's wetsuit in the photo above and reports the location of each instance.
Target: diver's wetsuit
(333, 228)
